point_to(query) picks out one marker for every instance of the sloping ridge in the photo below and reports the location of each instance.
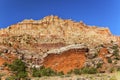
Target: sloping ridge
(52, 29)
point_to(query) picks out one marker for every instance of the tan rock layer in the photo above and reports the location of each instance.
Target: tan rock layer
(53, 29)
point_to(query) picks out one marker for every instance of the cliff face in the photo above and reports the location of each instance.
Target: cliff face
(46, 41)
(53, 29)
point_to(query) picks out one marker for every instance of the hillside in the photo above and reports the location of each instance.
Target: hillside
(61, 44)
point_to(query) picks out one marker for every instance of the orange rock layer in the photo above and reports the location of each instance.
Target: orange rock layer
(66, 61)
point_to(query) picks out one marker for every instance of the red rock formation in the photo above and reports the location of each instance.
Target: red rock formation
(65, 61)
(38, 37)
(2, 61)
(102, 54)
(7, 59)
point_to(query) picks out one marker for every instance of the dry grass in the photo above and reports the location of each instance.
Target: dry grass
(113, 76)
(117, 75)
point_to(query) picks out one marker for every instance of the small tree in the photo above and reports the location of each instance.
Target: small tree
(18, 68)
(42, 71)
(36, 72)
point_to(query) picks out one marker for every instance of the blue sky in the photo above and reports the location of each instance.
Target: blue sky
(104, 13)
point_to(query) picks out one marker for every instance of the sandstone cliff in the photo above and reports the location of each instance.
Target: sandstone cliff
(53, 41)
(52, 29)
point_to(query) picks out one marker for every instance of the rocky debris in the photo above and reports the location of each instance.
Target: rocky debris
(17, 41)
(117, 65)
(92, 53)
(108, 55)
(1, 67)
(110, 50)
(94, 63)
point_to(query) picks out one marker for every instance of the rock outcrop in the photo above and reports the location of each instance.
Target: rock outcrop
(59, 44)
(53, 29)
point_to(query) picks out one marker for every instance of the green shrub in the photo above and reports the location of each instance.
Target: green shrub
(115, 47)
(85, 70)
(118, 69)
(15, 78)
(21, 74)
(60, 73)
(109, 60)
(89, 70)
(99, 65)
(1, 75)
(35, 72)
(11, 78)
(77, 71)
(47, 72)
(70, 72)
(111, 41)
(42, 71)
(116, 52)
(112, 69)
(18, 67)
